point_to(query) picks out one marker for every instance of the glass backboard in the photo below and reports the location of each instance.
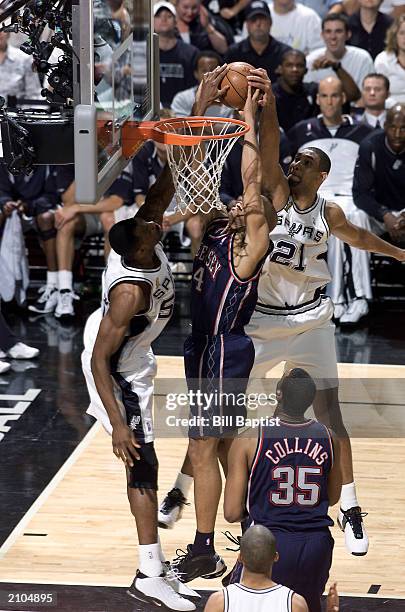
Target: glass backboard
(117, 79)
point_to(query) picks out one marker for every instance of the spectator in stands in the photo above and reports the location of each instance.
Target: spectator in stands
(374, 94)
(232, 11)
(394, 8)
(259, 48)
(11, 347)
(324, 6)
(368, 27)
(205, 61)
(16, 75)
(379, 177)
(350, 64)
(35, 198)
(231, 188)
(75, 220)
(176, 56)
(391, 62)
(201, 28)
(340, 138)
(295, 99)
(296, 25)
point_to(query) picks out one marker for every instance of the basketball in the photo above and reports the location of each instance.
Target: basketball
(236, 95)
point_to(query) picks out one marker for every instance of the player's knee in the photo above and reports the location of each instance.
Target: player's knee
(201, 450)
(144, 473)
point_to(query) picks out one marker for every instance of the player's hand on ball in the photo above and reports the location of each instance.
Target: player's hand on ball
(209, 90)
(259, 79)
(250, 109)
(124, 444)
(332, 599)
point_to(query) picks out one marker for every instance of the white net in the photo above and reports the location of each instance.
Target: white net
(197, 168)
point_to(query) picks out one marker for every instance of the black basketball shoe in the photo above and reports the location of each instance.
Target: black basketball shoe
(171, 509)
(191, 566)
(351, 523)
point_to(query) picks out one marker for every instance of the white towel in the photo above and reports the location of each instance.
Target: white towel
(14, 275)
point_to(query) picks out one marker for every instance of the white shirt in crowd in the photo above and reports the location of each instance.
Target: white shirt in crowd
(17, 77)
(389, 5)
(357, 62)
(299, 28)
(371, 120)
(183, 101)
(387, 64)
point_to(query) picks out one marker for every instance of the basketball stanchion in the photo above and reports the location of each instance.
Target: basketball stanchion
(197, 148)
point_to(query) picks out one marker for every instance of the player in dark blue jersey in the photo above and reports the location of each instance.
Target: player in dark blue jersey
(286, 479)
(218, 355)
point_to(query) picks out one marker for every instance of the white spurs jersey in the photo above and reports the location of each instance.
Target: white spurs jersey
(145, 327)
(296, 271)
(238, 597)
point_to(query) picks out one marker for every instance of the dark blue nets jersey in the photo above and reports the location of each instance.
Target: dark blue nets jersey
(221, 302)
(288, 484)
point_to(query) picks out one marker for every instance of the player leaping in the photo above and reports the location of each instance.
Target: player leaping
(218, 355)
(292, 321)
(293, 318)
(119, 366)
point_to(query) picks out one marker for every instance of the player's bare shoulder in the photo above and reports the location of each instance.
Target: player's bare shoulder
(128, 300)
(215, 602)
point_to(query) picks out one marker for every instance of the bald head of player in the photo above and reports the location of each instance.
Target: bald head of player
(135, 239)
(295, 394)
(394, 128)
(258, 550)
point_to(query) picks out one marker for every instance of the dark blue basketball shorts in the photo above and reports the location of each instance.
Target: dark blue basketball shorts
(217, 372)
(304, 564)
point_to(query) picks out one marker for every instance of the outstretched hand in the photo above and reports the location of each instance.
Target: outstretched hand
(209, 90)
(251, 104)
(258, 78)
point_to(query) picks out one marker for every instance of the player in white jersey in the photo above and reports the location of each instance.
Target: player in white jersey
(257, 592)
(119, 366)
(292, 321)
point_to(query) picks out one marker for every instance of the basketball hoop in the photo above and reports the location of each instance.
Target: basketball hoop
(197, 148)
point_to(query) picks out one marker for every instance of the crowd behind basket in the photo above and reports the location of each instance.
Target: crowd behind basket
(336, 67)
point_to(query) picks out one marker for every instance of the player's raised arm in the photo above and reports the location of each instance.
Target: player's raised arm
(158, 197)
(125, 302)
(274, 182)
(257, 228)
(357, 236)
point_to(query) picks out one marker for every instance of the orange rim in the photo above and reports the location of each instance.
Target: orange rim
(160, 128)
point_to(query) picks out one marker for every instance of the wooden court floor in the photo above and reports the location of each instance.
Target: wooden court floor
(80, 531)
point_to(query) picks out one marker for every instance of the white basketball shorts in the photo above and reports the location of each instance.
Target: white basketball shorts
(133, 390)
(305, 340)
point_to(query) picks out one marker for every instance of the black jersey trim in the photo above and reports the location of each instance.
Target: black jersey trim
(293, 310)
(306, 210)
(323, 217)
(133, 280)
(276, 587)
(226, 600)
(289, 600)
(145, 270)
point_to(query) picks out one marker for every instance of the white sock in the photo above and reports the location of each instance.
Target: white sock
(52, 279)
(150, 563)
(65, 278)
(161, 553)
(184, 483)
(348, 497)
